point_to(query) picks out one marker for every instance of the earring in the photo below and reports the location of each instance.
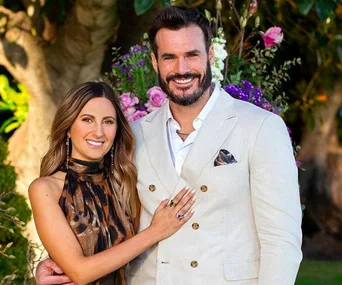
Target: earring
(112, 158)
(67, 142)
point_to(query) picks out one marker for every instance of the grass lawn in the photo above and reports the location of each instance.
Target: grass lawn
(313, 272)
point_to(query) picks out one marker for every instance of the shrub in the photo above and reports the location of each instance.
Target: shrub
(14, 214)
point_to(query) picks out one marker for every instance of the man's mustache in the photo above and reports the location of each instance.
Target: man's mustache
(182, 76)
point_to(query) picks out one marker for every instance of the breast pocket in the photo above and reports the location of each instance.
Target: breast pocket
(226, 180)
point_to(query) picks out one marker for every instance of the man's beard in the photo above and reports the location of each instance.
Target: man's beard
(187, 99)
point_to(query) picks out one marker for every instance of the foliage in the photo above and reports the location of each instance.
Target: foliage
(14, 100)
(324, 8)
(318, 272)
(319, 42)
(142, 6)
(14, 213)
(133, 72)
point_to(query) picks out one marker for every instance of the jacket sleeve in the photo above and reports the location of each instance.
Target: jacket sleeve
(276, 203)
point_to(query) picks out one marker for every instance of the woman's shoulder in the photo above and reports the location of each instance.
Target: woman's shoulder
(52, 184)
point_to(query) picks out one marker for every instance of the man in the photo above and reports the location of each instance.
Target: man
(238, 157)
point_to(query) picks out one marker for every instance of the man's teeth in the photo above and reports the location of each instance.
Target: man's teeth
(94, 143)
(182, 81)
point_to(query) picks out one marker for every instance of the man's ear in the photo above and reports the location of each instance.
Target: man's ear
(154, 62)
(211, 54)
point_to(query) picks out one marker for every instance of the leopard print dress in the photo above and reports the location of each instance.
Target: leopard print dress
(94, 213)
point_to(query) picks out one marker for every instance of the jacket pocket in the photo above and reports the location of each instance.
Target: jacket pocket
(241, 271)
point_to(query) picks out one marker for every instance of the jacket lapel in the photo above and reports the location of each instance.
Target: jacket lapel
(214, 131)
(155, 137)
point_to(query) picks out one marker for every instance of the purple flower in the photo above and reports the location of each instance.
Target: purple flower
(116, 64)
(141, 62)
(247, 85)
(266, 105)
(136, 48)
(299, 163)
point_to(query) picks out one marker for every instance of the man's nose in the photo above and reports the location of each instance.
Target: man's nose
(182, 66)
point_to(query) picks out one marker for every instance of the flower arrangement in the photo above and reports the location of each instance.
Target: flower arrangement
(246, 75)
(134, 78)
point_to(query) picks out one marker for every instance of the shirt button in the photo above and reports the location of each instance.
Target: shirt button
(194, 264)
(152, 188)
(195, 226)
(204, 188)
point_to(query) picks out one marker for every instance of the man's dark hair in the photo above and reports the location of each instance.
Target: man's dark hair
(176, 18)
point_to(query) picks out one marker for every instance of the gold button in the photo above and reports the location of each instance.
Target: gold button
(204, 188)
(195, 226)
(152, 188)
(194, 263)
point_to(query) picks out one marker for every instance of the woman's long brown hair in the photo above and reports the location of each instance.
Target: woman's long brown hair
(124, 178)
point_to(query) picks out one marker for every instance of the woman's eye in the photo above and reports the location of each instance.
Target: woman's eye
(88, 120)
(109, 122)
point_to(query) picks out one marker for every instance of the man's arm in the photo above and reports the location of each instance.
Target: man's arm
(49, 273)
(276, 203)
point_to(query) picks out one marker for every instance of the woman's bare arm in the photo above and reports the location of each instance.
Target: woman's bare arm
(64, 248)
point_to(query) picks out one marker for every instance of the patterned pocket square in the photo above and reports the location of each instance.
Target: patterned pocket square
(224, 157)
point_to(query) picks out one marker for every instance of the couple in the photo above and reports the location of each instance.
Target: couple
(238, 158)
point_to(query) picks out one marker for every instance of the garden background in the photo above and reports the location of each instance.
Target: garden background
(47, 46)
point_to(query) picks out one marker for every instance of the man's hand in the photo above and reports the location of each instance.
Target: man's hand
(48, 273)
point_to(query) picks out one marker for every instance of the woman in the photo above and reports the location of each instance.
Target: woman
(85, 204)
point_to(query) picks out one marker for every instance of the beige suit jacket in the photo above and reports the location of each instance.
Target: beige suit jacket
(246, 228)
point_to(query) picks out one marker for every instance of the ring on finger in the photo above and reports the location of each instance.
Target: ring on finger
(180, 217)
(172, 203)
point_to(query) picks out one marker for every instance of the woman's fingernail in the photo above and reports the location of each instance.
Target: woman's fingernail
(193, 198)
(186, 187)
(193, 191)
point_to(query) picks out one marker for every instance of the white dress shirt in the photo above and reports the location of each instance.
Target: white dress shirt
(179, 149)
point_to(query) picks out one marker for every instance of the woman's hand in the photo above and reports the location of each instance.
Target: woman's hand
(171, 215)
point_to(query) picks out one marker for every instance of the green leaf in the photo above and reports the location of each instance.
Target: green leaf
(325, 8)
(235, 78)
(6, 123)
(142, 6)
(165, 2)
(305, 6)
(12, 127)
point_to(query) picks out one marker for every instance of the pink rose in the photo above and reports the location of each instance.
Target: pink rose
(127, 100)
(157, 98)
(129, 112)
(137, 115)
(272, 37)
(253, 7)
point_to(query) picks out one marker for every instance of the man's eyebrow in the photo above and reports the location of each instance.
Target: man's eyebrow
(167, 55)
(194, 51)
